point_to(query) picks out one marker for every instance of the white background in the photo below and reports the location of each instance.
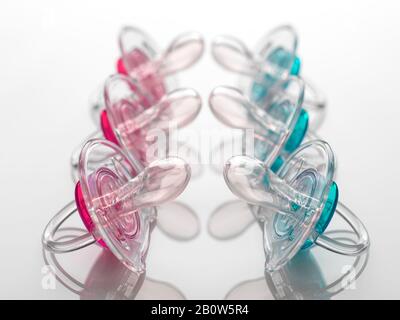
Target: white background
(54, 54)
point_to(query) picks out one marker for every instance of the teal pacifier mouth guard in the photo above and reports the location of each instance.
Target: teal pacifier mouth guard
(298, 133)
(296, 204)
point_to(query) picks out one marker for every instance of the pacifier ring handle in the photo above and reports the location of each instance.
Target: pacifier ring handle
(55, 223)
(345, 248)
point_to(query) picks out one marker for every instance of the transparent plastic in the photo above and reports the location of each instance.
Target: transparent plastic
(274, 58)
(116, 199)
(295, 204)
(280, 124)
(151, 68)
(131, 121)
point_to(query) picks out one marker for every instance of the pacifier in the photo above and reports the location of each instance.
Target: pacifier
(303, 278)
(130, 122)
(274, 58)
(151, 68)
(295, 204)
(280, 124)
(116, 201)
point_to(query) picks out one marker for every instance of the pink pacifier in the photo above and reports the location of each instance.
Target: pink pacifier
(116, 201)
(131, 123)
(151, 68)
(273, 59)
(295, 204)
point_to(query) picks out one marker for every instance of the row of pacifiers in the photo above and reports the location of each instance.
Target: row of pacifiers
(288, 179)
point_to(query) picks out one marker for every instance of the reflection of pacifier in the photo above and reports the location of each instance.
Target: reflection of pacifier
(296, 203)
(301, 278)
(132, 123)
(279, 125)
(115, 199)
(140, 59)
(274, 58)
(109, 279)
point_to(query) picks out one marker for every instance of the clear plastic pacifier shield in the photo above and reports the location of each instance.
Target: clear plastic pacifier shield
(296, 204)
(120, 226)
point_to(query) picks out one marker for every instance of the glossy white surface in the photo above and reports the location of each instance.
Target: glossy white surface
(52, 58)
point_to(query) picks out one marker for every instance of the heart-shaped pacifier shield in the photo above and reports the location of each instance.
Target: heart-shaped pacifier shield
(142, 60)
(295, 204)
